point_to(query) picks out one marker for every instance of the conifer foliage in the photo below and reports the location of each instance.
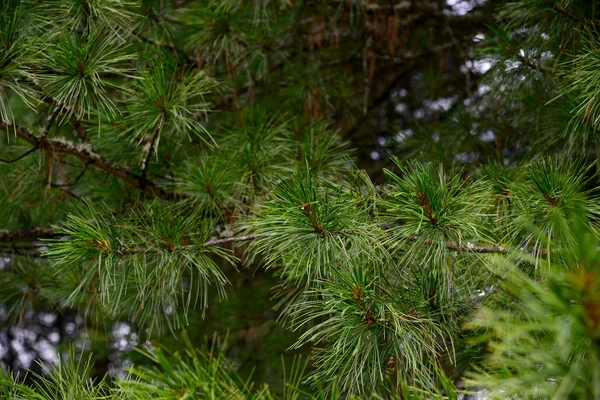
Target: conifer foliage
(148, 146)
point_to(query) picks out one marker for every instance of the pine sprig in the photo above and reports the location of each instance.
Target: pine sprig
(549, 202)
(79, 71)
(369, 334)
(169, 101)
(136, 265)
(314, 225)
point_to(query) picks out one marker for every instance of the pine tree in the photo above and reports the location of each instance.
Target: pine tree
(151, 151)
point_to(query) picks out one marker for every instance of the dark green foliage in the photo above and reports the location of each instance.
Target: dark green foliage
(153, 150)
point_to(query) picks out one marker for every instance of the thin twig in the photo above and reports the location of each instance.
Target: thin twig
(79, 129)
(65, 190)
(569, 14)
(148, 149)
(451, 279)
(50, 122)
(77, 178)
(472, 305)
(210, 243)
(2, 160)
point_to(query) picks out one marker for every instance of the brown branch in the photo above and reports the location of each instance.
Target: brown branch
(85, 152)
(148, 149)
(233, 239)
(469, 248)
(79, 129)
(20, 235)
(65, 190)
(39, 233)
(73, 117)
(11, 250)
(210, 243)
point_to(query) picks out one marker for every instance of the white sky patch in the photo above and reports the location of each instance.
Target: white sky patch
(121, 344)
(441, 104)
(462, 7)
(70, 327)
(403, 135)
(546, 55)
(484, 65)
(487, 136)
(480, 66)
(54, 337)
(47, 318)
(483, 89)
(467, 156)
(121, 329)
(3, 262)
(420, 113)
(47, 351)
(401, 108)
(478, 38)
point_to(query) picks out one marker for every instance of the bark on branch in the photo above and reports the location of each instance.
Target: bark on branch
(44, 233)
(20, 235)
(84, 151)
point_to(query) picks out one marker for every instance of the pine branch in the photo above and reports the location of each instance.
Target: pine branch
(528, 61)
(84, 151)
